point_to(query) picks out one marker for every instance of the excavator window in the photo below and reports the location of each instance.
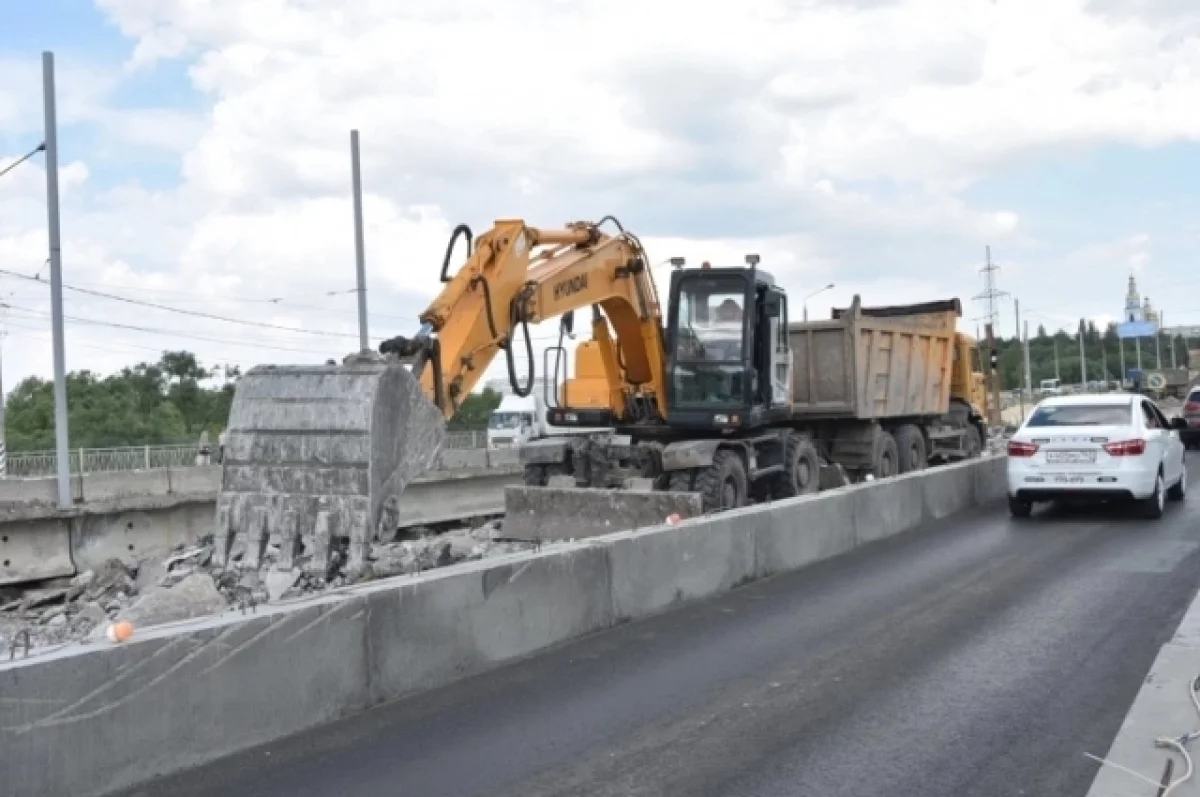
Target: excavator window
(711, 354)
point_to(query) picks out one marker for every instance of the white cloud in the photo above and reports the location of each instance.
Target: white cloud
(830, 137)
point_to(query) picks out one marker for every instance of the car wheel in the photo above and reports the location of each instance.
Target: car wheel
(1152, 507)
(1178, 490)
(1019, 508)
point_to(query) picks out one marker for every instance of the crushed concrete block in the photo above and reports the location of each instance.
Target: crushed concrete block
(84, 579)
(279, 582)
(194, 596)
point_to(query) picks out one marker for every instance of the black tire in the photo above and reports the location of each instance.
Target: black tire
(1152, 508)
(1178, 490)
(972, 442)
(802, 468)
(1019, 508)
(723, 484)
(680, 481)
(911, 449)
(884, 458)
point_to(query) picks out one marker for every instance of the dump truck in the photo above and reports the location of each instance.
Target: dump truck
(720, 397)
(870, 392)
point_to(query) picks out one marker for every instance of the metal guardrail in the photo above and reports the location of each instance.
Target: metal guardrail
(33, 464)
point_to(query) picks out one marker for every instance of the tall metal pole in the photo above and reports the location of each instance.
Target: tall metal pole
(1171, 338)
(995, 417)
(1158, 344)
(1057, 373)
(1104, 362)
(56, 290)
(1138, 343)
(1017, 317)
(1121, 348)
(1028, 370)
(1082, 358)
(359, 253)
(3, 422)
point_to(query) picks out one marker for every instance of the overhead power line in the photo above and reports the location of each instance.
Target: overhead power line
(158, 331)
(183, 311)
(39, 148)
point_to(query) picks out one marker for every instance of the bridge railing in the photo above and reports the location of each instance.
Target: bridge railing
(32, 464)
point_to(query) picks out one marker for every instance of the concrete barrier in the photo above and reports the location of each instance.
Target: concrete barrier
(195, 691)
(540, 513)
(503, 457)
(135, 513)
(463, 459)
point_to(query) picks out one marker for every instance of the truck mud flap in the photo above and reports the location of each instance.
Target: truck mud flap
(315, 454)
(571, 513)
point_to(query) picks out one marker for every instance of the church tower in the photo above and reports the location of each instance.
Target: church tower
(1133, 302)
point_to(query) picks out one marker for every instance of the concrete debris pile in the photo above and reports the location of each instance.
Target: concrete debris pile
(189, 583)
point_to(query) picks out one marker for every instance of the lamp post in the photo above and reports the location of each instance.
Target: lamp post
(813, 294)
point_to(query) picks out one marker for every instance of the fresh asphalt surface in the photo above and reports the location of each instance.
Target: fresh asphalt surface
(980, 656)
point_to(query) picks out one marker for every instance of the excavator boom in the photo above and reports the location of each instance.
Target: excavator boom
(317, 456)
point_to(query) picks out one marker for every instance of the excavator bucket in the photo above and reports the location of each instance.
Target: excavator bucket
(318, 454)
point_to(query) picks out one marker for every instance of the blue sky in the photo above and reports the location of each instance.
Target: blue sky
(865, 146)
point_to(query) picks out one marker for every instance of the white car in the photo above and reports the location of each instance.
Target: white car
(1097, 447)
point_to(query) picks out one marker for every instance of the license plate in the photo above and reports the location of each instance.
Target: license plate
(1070, 457)
(1068, 478)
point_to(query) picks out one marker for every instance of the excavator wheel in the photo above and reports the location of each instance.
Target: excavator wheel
(723, 484)
(802, 474)
(680, 481)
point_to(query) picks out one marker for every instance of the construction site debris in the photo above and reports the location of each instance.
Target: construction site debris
(187, 583)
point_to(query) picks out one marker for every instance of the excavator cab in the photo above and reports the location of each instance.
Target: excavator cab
(728, 358)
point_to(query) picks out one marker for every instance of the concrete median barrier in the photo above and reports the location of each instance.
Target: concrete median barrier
(184, 694)
(557, 513)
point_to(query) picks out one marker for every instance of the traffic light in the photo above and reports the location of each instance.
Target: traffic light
(994, 358)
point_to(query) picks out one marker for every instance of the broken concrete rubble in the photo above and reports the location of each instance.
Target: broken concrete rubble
(187, 582)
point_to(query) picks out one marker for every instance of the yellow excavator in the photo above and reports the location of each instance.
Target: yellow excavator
(721, 396)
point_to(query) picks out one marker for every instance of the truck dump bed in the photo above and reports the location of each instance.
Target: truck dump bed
(875, 362)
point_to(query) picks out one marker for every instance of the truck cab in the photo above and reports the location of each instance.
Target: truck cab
(729, 359)
(514, 422)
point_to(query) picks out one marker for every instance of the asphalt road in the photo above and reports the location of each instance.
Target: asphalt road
(980, 657)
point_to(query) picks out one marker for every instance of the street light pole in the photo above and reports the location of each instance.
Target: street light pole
(56, 289)
(813, 294)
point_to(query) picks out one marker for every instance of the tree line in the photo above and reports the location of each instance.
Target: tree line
(1102, 350)
(172, 400)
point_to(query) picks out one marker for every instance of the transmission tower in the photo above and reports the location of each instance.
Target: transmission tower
(991, 294)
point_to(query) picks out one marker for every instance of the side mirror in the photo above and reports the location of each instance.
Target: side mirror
(1178, 423)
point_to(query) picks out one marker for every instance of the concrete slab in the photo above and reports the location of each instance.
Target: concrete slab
(657, 568)
(203, 481)
(459, 458)
(447, 625)
(888, 507)
(504, 457)
(991, 479)
(805, 530)
(135, 535)
(437, 500)
(107, 486)
(558, 513)
(31, 550)
(176, 698)
(948, 489)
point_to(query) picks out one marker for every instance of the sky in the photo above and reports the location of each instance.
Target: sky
(878, 145)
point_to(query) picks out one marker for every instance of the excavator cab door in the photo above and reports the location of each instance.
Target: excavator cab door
(773, 353)
(715, 377)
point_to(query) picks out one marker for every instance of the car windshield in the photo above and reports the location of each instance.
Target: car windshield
(1081, 415)
(505, 420)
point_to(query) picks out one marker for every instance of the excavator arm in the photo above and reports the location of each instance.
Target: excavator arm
(317, 456)
(517, 275)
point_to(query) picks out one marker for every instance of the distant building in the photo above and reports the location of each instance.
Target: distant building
(1136, 308)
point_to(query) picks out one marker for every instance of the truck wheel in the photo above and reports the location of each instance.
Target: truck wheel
(910, 446)
(723, 484)
(885, 457)
(802, 468)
